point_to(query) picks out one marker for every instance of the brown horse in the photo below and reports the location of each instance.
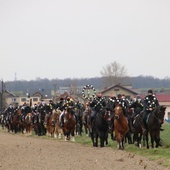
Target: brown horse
(28, 123)
(69, 124)
(53, 128)
(121, 126)
(51, 124)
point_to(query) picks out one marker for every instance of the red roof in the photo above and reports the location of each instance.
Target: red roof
(160, 97)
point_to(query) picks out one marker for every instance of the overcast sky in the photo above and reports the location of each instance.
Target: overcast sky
(77, 38)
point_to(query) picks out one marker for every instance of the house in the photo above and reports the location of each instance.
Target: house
(118, 89)
(10, 98)
(164, 99)
(75, 98)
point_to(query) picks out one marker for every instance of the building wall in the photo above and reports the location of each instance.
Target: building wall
(22, 100)
(167, 104)
(116, 91)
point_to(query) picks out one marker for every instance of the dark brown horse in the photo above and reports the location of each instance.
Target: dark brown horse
(121, 126)
(100, 129)
(138, 133)
(15, 120)
(69, 124)
(154, 121)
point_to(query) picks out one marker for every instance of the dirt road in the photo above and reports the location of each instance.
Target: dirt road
(18, 152)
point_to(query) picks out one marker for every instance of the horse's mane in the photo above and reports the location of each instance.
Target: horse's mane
(56, 112)
(157, 109)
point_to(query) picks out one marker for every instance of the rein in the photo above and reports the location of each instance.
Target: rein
(158, 114)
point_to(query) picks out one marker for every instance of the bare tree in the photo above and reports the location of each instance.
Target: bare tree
(113, 73)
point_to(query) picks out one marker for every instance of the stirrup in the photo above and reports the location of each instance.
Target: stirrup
(132, 129)
(61, 124)
(143, 130)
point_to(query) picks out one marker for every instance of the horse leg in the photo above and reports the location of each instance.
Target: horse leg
(102, 138)
(96, 141)
(157, 139)
(67, 136)
(55, 132)
(147, 140)
(139, 139)
(85, 128)
(119, 141)
(122, 144)
(106, 138)
(152, 141)
(72, 136)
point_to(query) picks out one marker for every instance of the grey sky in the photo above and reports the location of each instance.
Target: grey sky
(76, 38)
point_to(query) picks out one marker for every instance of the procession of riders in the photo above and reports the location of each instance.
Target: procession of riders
(131, 108)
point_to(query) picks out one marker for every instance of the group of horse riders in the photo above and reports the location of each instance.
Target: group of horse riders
(131, 108)
(43, 108)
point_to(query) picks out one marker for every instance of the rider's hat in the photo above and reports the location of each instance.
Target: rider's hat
(150, 91)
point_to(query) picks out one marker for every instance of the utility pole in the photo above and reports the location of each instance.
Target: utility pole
(54, 96)
(2, 91)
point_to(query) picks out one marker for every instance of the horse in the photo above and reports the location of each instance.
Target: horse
(53, 127)
(51, 123)
(58, 132)
(38, 124)
(121, 126)
(69, 124)
(138, 133)
(100, 129)
(109, 116)
(15, 120)
(87, 119)
(154, 120)
(28, 123)
(79, 125)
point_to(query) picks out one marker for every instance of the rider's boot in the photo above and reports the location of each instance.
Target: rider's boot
(61, 121)
(132, 129)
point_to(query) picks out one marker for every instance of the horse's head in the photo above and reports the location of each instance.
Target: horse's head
(18, 111)
(108, 115)
(28, 118)
(159, 113)
(118, 111)
(162, 113)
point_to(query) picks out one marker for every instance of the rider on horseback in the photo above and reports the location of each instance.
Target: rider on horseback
(136, 107)
(49, 108)
(150, 102)
(69, 103)
(124, 102)
(8, 112)
(85, 113)
(97, 104)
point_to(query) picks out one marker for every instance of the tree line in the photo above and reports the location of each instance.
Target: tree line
(139, 82)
